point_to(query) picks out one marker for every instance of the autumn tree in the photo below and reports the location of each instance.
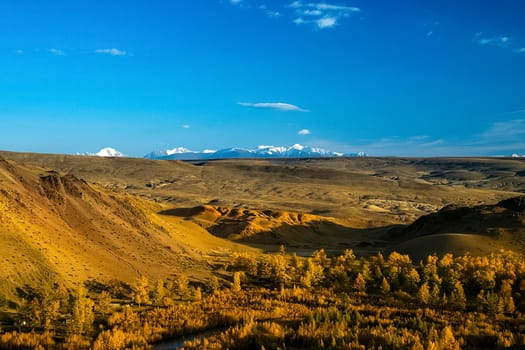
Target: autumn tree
(104, 302)
(236, 285)
(450, 273)
(423, 294)
(159, 292)
(276, 269)
(447, 339)
(212, 284)
(430, 273)
(141, 291)
(245, 262)
(434, 295)
(457, 297)
(313, 273)
(360, 283)
(320, 257)
(399, 269)
(61, 294)
(182, 284)
(82, 315)
(506, 296)
(385, 286)
(295, 267)
(197, 294)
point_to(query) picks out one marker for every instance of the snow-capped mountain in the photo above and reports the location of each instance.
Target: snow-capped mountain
(263, 151)
(104, 152)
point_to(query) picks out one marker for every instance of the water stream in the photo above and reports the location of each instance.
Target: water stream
(177, 343)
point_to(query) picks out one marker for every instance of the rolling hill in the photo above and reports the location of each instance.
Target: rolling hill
(57, 227)
(478, 230)
(77, 218)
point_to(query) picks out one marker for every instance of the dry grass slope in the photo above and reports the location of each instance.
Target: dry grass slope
(135, 216)
(56, 227)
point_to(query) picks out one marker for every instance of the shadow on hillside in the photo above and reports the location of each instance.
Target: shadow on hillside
(182, 212)
(302, 238)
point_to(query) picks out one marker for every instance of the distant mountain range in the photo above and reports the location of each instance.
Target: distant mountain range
(295, 151)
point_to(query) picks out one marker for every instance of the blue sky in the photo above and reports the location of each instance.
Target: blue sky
(411, 78)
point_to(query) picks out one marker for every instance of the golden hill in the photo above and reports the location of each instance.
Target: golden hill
(478, 230)
(265, 228)
(57, 227)
(137, 216)
(369, 192)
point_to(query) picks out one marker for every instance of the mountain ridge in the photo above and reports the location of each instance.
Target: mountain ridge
(262, 151)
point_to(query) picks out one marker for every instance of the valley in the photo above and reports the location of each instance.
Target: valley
(81, 221)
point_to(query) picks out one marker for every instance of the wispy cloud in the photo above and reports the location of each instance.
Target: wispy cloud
(270, 12)
(112, 52)
(273, 105)
(431, 29)
(304, 132)
(19, 52)
(506, 129)
(56, 52)
(502, 41)
(186, 126)
(321, 14)
(501, 138)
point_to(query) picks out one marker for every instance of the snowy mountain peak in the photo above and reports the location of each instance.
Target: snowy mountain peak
(104, 152)
(270, 149)
(109, 152)
(262, 151)
(297, 147)
(178, 150)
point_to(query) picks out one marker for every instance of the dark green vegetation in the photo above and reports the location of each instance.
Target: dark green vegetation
(284, 301)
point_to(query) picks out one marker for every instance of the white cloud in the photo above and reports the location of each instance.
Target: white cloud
(520, 50)
(19, 52)
(497, 41)
(319, 14)
(312, 13)
(56, 52)
(112, 52)
(323, 15)
(323, 6)
(304, 132)
(273, 105)
(326, 22)
(186, 126)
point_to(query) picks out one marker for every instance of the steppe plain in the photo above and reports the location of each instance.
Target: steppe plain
(80, 218)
